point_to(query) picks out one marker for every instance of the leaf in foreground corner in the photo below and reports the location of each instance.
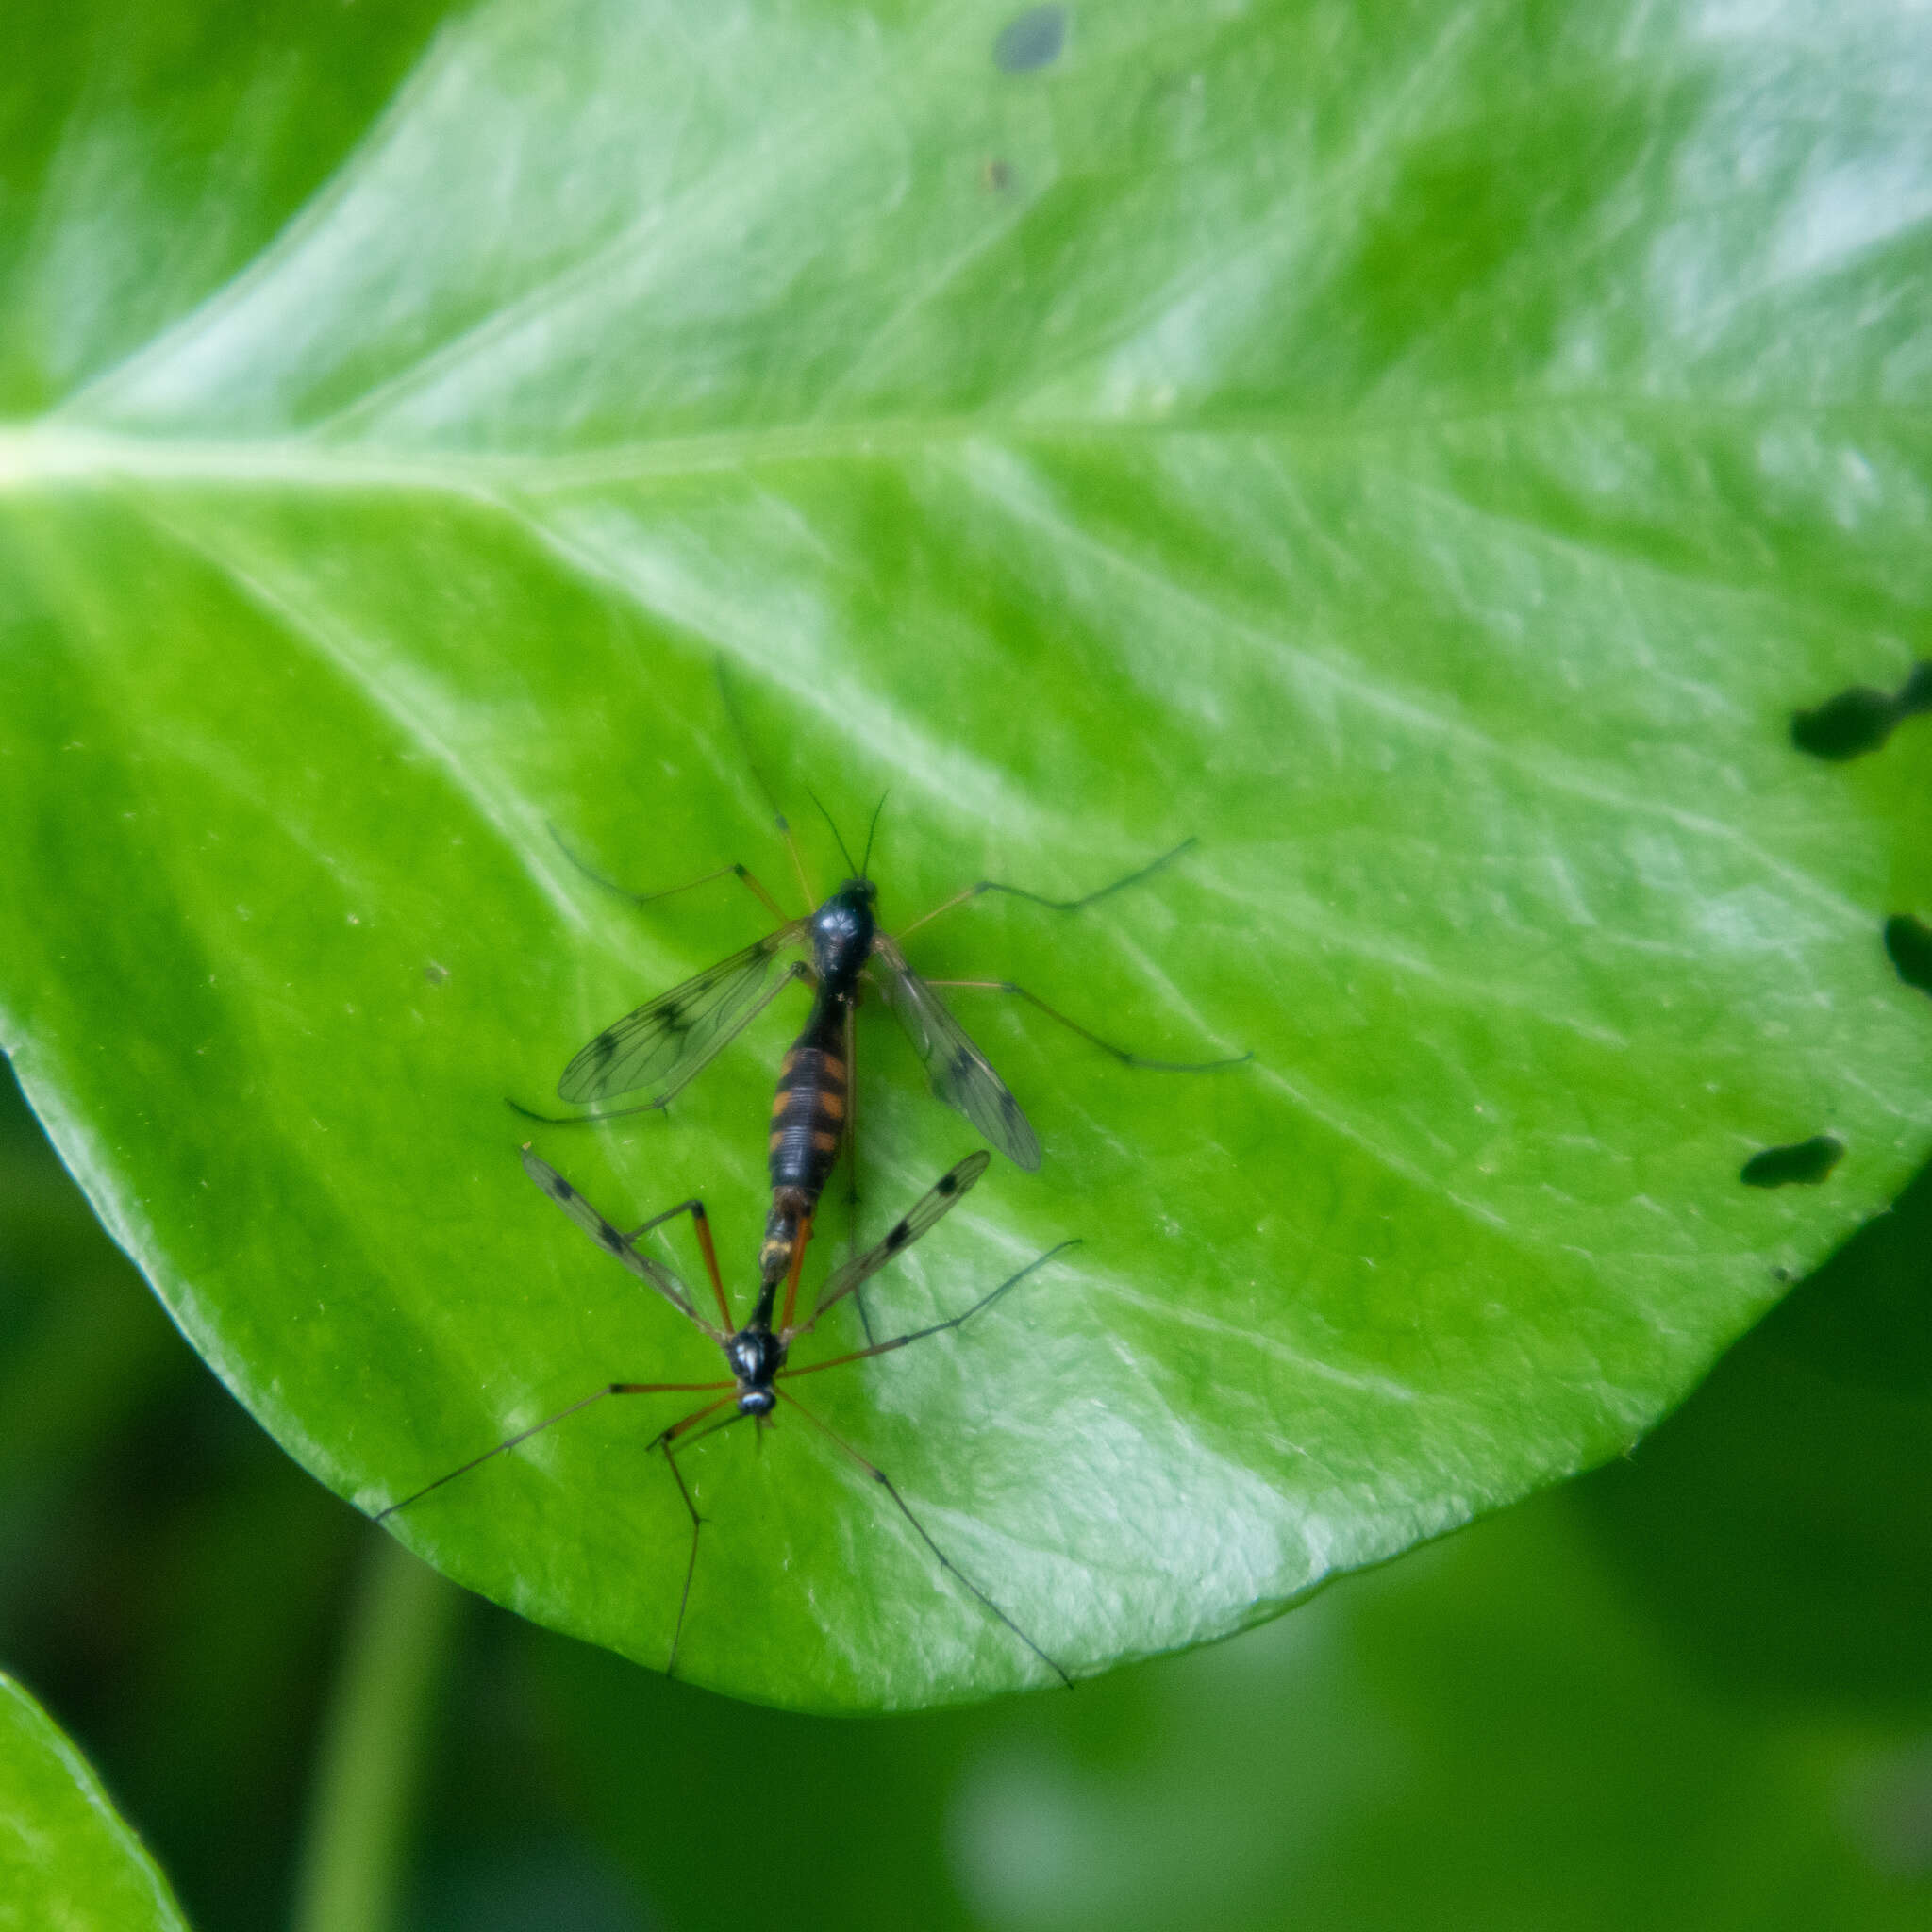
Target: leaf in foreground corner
(66, 1857)
(1425, 453)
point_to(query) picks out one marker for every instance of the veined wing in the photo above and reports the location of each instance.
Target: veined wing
(660, 1046)
(938, 1201)
(961, 1075)
(611, 1240)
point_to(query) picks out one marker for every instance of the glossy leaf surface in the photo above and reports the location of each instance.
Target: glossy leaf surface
(1426, 453)
(66, 1857)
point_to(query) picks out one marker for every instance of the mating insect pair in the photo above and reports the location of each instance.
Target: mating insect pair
(756, 1353)
(658, 1048)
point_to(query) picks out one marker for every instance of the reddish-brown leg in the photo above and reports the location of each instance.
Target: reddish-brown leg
(700, 1222)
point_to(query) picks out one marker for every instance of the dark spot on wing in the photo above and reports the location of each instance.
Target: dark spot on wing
(1030, 40)
(1803, 1164)
(674, 1018)
(559, 1187)
(1909, 944)
(964, 1064)
(948, 1184)
(1861, 719)
(603, 1047)
(611, 1238)
(899, 1237)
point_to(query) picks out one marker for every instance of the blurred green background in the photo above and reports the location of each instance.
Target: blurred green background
(1691, 1690)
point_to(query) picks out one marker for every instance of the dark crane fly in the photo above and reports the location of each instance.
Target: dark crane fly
(756, 1354)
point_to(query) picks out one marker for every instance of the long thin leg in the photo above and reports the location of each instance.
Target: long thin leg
(1120, 1053)
(740, 872)
(780, 822)
(701, 1222)
(804, 877)
(852, 1160)
(946, 1562)
(666, 1442)
(986, 1300)
(801, 1241)
(537, 1429)
(1120, 885)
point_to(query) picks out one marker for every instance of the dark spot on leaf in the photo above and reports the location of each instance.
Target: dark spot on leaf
(1806, 1163)
(1865, 1316)
(1856, 721)
(1030, 40)
(1861, 719)
(997, 177)
(1908, 943)
(898, 1237)
(434, 973)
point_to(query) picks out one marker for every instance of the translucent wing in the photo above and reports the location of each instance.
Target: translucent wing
(662, 1045)
(611, 1240)
(960, 1074)
(938, 1200)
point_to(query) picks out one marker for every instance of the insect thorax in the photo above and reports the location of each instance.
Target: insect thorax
(756, 1355)
(842, 931)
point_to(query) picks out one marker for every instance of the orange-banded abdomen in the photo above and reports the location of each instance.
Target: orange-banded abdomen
(808, 1115)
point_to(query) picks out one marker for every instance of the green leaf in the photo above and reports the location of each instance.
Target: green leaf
(67, 1858)
(1425, 454)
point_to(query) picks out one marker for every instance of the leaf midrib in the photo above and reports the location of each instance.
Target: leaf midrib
(52, 452)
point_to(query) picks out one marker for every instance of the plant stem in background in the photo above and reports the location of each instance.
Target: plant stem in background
(371, 1759)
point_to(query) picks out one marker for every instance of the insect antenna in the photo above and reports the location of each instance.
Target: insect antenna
(844, 850)
(870, 829)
